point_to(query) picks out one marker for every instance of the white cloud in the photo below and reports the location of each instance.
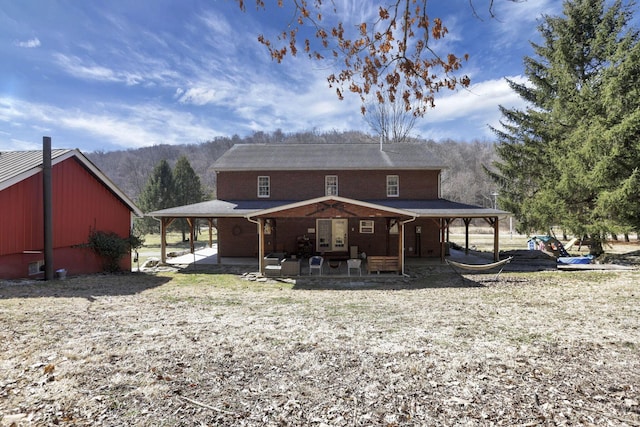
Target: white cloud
(476, 107)
(29, 44)
(198, 96)
(76, 67)
(125, 126)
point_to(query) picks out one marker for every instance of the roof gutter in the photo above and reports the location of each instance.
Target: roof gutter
(402, 237)
(258, 222)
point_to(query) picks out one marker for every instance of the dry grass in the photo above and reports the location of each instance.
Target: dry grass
(545, 348)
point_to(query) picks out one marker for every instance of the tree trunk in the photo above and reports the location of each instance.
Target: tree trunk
(595, 248)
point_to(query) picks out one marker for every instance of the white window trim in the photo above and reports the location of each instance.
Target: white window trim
(397, 186)
(367, 226)
(326, 185)
(268, 186)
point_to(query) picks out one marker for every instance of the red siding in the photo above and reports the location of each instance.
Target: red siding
(302, 185)
(80, 203)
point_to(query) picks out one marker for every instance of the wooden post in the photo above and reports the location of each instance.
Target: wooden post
(400, 245)
(442, 240)
(163, 240)
(210, 221)
(192, 246)
(261, 244)
(467, 221)
(496, 240)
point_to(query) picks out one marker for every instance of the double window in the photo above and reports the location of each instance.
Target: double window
(264, 186)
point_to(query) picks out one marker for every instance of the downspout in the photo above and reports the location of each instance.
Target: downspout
(402, 223)
(260, 243)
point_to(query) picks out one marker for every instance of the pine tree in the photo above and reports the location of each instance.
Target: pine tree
(187, 187)
(567, 159)
(157, 194)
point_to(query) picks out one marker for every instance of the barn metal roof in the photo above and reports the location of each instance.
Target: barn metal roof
(356, 156)
(16, 166)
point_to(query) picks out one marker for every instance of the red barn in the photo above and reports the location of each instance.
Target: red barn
(83, 199)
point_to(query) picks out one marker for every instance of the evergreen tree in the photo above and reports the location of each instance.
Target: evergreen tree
(568, 158)
(157, 194)
(187, 187)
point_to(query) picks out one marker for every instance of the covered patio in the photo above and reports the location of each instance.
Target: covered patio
(268, 215)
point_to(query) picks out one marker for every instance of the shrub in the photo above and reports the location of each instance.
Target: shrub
(112, 247)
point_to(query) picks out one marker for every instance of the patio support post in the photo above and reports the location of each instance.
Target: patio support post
(467, 221)
(192, 246)
(496, 240)
(400, 245)
(442, 239)
(210, 222)
(163, 240)
(261, 244)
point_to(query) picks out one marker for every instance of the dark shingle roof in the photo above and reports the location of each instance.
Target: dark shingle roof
(436, 208)
(327, 157)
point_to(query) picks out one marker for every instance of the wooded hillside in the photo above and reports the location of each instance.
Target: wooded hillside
(464, 180)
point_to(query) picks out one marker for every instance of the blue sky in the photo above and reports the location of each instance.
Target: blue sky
(118, 74)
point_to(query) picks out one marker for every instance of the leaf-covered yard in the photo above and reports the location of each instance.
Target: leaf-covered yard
(555, 348)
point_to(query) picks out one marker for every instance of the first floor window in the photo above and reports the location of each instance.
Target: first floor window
(264, 186)
(331, 185)
(366, 226)
(393, 186)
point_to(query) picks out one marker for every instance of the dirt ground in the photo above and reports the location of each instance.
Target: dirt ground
(193, 349)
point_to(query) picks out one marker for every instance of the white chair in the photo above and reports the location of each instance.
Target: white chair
(354, 264)
(315, 262)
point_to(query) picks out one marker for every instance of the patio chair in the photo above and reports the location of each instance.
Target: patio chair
(354, 264)
(315, 262)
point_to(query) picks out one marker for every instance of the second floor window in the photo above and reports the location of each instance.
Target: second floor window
(331, 185)
(393, 186)
(264, 186)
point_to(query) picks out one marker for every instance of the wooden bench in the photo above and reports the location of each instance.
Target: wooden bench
(382, 263)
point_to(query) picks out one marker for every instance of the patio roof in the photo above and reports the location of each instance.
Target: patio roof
(436, 208)
(329, 206)
(441, 208)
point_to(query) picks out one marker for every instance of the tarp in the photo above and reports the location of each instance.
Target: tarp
(575, 259)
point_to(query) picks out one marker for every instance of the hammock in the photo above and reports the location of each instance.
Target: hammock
(480, 267)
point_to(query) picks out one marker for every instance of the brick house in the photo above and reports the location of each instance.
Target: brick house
(337, 200)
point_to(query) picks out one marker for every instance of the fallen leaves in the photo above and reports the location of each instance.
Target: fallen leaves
(531, 349)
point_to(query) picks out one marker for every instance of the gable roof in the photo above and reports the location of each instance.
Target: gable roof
(261, 157)
(326, 200)
(16, 166)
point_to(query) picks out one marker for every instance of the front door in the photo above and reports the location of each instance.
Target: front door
(332, 235)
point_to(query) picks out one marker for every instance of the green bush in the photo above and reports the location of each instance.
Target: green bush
(112, 247)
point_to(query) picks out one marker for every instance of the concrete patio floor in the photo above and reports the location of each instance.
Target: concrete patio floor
(209, 257)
